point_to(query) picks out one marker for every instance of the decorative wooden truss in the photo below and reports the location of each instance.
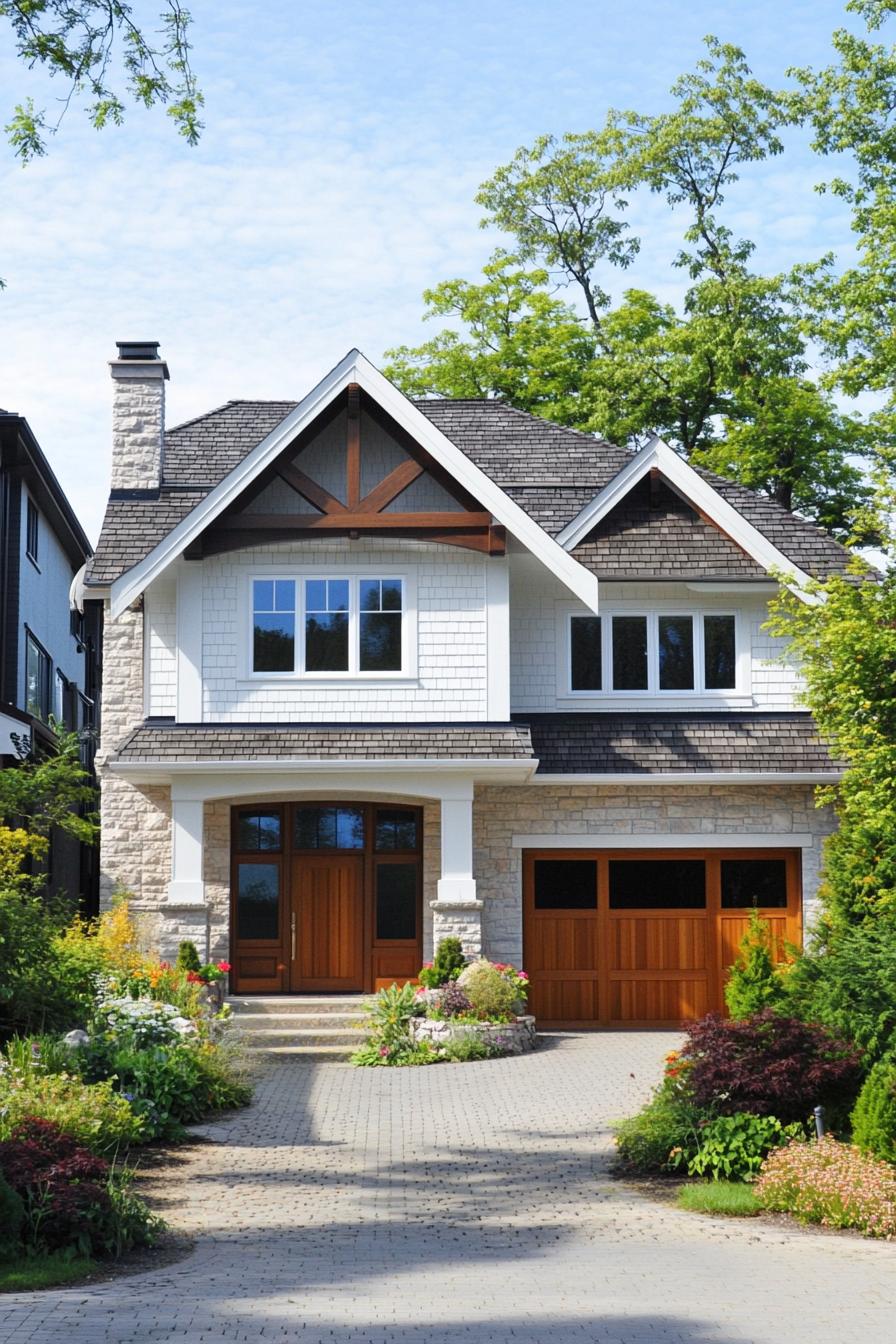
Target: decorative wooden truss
(470, 526)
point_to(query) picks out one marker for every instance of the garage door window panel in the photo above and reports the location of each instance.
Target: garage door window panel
(657, 884)
(749, 884)
(565, 884)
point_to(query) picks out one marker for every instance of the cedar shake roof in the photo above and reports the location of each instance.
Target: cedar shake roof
(167, 744)
(676, 743)
(613, 743)
(550, 471)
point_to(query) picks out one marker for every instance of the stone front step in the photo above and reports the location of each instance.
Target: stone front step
(320, 1025)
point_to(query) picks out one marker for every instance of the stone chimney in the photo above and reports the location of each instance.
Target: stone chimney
(138, 415)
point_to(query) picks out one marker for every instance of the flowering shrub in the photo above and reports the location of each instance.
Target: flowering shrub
(830, 1183)
(769, 1065)
(143, 1021)
(663, 1135)
(493, 995)
(71, 1199)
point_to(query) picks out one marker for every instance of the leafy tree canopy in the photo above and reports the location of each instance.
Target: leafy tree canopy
(98, 50)
(49, 789)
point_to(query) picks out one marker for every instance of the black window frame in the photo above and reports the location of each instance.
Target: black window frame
(32, 531)
(46, 678)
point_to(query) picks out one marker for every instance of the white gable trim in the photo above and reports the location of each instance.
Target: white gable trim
(686, 481)
(354, 368)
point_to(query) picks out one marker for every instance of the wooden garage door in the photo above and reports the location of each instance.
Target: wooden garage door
(646, 937)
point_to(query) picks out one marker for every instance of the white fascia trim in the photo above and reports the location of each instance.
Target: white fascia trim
(680, 840)
(328, 765)
(658, 455)
(355, 368)
(689, 779)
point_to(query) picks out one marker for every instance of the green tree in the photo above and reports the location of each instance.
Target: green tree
(50, 789)
(520, 343)
(98, 50)
(725, 379)
(851, 106)
(846, 645)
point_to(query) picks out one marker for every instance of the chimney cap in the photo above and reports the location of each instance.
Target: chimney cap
(138, 349)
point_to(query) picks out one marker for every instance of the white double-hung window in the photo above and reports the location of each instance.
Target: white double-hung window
(322, 625)
(654, 653)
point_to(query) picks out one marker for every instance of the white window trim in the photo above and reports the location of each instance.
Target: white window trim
(739, 696)
(408, 672)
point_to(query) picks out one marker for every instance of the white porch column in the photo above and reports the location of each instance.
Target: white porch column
(186, 886)
(456, 911)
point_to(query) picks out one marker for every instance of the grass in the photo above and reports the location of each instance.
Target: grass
(47, 1271)
(732, 1199)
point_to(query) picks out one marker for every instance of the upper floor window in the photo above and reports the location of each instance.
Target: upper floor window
(38, 670)
(32, 531)
(323, 625)
(653, 653)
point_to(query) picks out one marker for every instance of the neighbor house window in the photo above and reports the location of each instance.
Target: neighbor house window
(37, 679)
(348, 625)
(32, 531)
(653, 653)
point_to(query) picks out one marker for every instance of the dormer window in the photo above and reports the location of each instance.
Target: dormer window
(653, 653)
(322, 625)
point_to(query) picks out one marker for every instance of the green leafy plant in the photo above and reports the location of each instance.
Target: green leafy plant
(187, 957)
(754, 981)
(12, 1218)
(492, 995)
(663, 1134)
(732, 1147)
(847, 981)
(874, 1114)
(464, 1048)
(389, 1040)
(831, 1183)
(448, 963)
(92, 1114)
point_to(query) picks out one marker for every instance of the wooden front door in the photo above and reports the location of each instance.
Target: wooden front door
(325, 896)
(327, 922)
(646, 938)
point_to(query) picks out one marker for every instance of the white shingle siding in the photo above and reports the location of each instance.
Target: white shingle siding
(534, 677)
(160, 606)
(450, 684)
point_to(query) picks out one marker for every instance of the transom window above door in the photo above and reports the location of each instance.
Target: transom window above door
(344, 626)
(653, 653)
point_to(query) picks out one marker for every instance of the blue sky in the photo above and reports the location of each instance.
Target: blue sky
(334, 181)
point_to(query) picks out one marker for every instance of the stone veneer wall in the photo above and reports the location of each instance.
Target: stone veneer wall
(576, 809)
(135, 823)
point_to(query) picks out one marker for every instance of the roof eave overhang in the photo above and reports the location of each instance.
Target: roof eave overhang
(510, 770)
(355, 368)
(657, 455)
(635, 779)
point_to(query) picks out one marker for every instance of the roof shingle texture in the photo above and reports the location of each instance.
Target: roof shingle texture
(676, 743)
(550, 471)
(166, 744)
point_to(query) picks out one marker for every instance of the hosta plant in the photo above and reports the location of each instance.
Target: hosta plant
(732, 1147)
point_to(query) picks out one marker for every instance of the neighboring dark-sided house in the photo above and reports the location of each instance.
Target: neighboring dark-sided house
(49, 653)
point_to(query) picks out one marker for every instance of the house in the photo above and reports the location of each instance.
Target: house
(378, 671)
(49, 654)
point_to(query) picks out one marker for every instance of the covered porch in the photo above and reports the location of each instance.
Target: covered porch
(334, 874)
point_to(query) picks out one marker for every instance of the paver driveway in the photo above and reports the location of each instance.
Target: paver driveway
(461, 1203)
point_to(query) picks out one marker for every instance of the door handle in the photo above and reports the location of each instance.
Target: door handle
(292, 935)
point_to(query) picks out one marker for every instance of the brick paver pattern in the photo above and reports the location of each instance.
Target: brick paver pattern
(460, 1203)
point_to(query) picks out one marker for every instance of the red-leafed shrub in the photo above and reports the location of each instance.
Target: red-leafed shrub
(770, 1065)
(64, 1187)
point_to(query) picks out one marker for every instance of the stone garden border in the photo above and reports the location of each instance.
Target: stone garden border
(512, 1038)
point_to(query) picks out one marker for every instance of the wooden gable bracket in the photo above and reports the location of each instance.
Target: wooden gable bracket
(470, 526)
